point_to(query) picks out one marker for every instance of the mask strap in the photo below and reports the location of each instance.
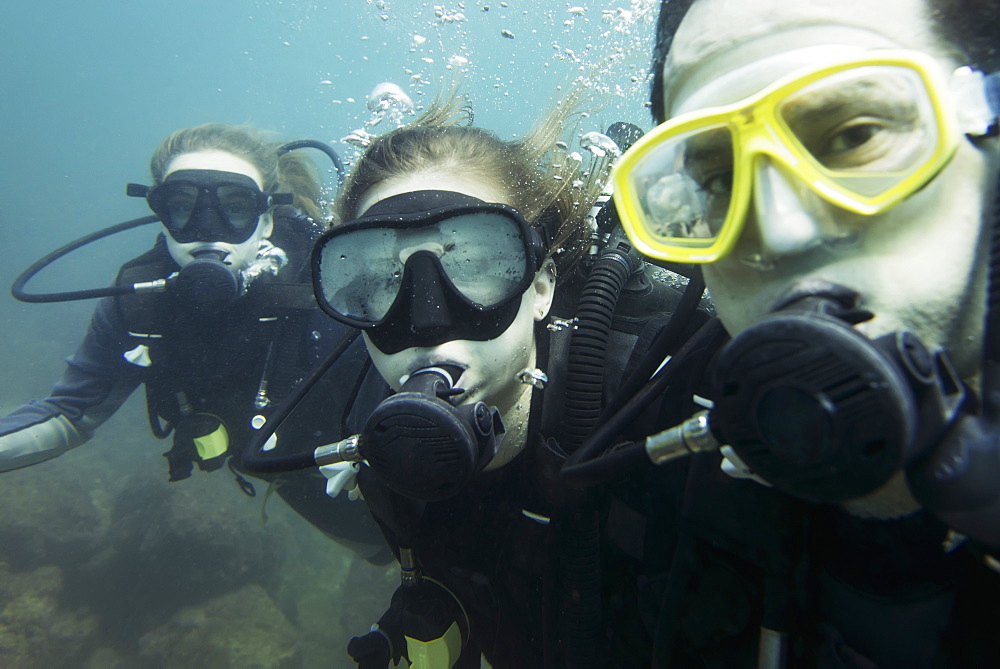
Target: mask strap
(543, 231)
(977, 101)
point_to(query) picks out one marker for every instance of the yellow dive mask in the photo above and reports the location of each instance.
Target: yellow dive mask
(863, 133)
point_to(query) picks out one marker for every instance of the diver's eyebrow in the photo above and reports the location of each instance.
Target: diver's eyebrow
(844, 98)
(700, 149)
(697, 154)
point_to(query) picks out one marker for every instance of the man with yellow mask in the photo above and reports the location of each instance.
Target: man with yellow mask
(833, 166)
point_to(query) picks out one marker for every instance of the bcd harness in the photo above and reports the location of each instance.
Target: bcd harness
(209, 374)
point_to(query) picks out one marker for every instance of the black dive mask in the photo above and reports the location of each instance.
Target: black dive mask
(427, 267)
(419, 444)
(822, 412)
(208, 205)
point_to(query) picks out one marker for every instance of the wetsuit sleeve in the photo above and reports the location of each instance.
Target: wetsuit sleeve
(97, 381)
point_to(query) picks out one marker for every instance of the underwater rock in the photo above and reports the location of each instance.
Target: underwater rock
(105, 658)
(36, 630)
(240, 629)
(179, 545)
(49, 518)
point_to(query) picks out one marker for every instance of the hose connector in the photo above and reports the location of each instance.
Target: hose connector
(692, 436)
(345, 450)
(409, 571)
(158, 286)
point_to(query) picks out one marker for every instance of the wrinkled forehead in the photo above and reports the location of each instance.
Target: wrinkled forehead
(726, 50)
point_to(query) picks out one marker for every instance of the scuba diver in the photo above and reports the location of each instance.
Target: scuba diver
(833, 168)
(217, 320)
(504, 317)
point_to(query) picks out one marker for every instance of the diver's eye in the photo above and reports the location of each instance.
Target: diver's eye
(180, 206)
(869, 144)
(720, 183)
(850, 138)
(237, 208)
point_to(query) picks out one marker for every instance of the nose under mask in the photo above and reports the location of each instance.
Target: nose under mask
(428, 311)
(797, 220)
(790, 227)
(207, 225)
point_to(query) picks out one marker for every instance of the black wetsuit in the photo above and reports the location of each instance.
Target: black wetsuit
(548, 575)
(209, 364)
(689, 566)
(843, 591)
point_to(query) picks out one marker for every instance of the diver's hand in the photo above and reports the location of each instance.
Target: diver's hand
(342, 476)
(736, 468)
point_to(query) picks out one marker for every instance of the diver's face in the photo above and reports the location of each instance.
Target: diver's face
(490, 366)
(239, 255)
(919, 265)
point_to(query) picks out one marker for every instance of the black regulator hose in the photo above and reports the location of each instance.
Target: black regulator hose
(588, 347)
(17, 288)
(579, 528)
(254, 461)
(623, 459)
(322, 146)
(586, 466)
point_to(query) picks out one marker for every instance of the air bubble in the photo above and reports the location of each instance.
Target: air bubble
(388, 101)
(360, 138)
(599, 145)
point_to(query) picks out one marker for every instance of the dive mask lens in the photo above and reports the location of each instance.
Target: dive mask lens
(681, 194)
(483, 252)
(871, 132)
(240, 206)
(208, 205)
(174, 204)
(863, 134)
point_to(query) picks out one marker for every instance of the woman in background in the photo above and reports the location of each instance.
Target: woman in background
(229, 336)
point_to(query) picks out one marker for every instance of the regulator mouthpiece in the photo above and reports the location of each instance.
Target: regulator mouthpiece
(822, 412)
(206, 282)
(421, 445)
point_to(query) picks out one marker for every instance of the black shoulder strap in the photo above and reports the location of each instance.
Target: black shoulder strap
(143, 313)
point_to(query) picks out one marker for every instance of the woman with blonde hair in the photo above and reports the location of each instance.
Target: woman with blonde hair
(454, 249)
(227, 334)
